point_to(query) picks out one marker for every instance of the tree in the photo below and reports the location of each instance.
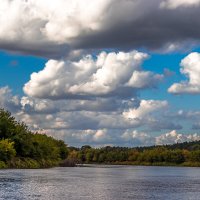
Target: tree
(7, 124)
(7, 151)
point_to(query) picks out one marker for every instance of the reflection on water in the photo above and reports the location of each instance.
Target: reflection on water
(102, 183)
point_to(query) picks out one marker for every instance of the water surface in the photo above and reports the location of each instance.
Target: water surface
(101, 183)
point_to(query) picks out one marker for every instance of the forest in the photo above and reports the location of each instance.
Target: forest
(22, 148)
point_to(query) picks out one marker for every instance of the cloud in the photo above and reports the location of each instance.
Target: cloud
(30, 105)
(105, 137)
(81, 122)
(47, 28)
(182, 115)
(152, 115)
(63, 27)
(173, 4)
(163, 124)
(146, 108)
(196, 126)
(130, 138)
(110, 74)
(8, 100)
(66, 115)
(94, 114)
(191, 69)
(136, 138)
(91, 136)
(35, 105)
(97, 138)
(174, 137)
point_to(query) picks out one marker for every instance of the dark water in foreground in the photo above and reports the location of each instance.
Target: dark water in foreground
(101, 183)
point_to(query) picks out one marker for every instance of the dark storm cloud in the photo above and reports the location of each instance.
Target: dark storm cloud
(152, 30)
(56, 29)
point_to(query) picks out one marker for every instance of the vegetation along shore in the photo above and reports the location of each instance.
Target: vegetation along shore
(22, 148)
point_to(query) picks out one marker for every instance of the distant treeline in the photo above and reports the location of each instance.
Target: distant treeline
(183, 154)
(21, 148)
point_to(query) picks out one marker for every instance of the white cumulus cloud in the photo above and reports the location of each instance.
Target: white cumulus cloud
(110, 74)
(146, 108)
(191, 69)
(174, 137)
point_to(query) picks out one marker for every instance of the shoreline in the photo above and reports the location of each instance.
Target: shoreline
(93, 165)
(140, 164)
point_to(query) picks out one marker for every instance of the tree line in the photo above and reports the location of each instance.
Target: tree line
(184, 154)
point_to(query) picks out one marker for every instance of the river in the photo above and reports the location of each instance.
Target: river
(101, 183)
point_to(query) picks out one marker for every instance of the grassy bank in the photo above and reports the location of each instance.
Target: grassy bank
(185, 164)
(28, 163)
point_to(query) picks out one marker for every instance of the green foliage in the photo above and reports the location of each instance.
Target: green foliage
(195, 156)
(21, 148)
(28, 163)
(185, 154)
(63, 150)
(7, 124)
(3, 165)
(7, 150)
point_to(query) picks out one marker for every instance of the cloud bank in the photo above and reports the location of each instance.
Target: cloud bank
(66, 27)
(101, 121)
(107, 75)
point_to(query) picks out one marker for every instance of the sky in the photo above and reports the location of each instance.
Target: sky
(103, 72)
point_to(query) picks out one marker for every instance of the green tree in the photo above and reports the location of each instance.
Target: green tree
(7, 124)
(7, 151)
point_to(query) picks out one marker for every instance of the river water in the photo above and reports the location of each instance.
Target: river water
(101, 183)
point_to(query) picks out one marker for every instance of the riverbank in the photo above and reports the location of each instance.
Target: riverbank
(28, 163)
(43, 164)
(160, 164)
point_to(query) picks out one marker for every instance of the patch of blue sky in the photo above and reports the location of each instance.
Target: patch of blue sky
(15, 70)
(157, 63)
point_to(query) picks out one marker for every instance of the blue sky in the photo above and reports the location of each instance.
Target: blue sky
(117, 73)
(16, 69)
(159, 62)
